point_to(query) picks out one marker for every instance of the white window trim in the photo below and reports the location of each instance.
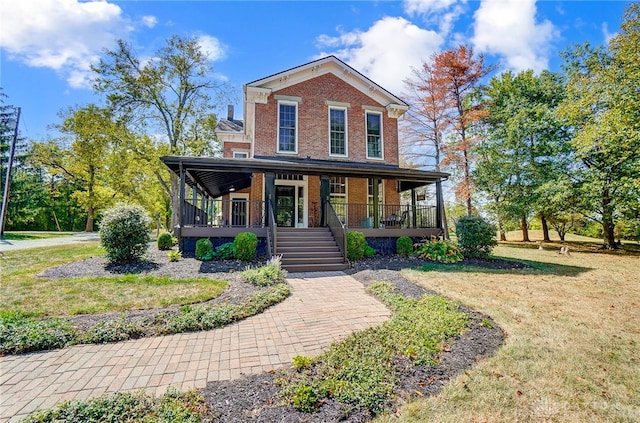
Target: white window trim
(289, 103)
(245, 152)
(346, 131)
(366, 135)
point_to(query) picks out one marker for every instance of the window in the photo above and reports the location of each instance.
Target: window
(371, 206)
(338, 197)
(338, 131)
(287, 127)
(374, 135)
(240, 155)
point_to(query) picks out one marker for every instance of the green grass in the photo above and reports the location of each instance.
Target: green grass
(571, 353)
(23, 292)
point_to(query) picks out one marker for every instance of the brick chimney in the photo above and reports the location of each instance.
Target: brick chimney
(230, 112)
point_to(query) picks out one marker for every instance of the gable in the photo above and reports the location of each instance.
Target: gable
(258, 91)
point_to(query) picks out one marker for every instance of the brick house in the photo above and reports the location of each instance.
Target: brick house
(315, 155)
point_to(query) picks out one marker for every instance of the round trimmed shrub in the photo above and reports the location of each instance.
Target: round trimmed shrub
(476, 236)
(356, 244)
(204, 249)
(404, 246)
(165, 241)
(124, 233)
(245, 246)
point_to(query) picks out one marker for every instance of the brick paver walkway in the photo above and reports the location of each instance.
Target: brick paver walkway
(323, 308)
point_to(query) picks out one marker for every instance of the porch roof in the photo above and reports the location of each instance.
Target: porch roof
(219, 176)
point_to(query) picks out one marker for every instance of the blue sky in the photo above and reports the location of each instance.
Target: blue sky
(47, 46)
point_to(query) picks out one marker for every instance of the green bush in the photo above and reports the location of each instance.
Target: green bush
(165, 241)
(305, 399)
(369, 251)
(270, 274)
(204, 249)
(440, 251)
(356, 244)
(225, 251)
(245, 246)
(124, 233)
(476, 236)
(404, 246)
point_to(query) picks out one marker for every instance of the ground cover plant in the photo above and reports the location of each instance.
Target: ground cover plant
(173, 406)
(359, 371)
(572, 349)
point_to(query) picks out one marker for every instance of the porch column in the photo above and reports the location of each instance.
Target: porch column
(376, 202)
(441, 218)
(269, 190)
(177, 231)
(325, 192)
(414, 203)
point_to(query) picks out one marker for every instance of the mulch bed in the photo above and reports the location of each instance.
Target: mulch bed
(255, 398)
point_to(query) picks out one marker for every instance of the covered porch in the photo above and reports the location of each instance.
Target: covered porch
(221, 197)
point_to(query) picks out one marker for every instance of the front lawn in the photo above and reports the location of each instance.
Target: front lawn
(573, 341)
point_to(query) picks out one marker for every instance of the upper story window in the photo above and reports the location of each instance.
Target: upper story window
(287, 127)
(240, 155)
(374, 135)
(338, 131)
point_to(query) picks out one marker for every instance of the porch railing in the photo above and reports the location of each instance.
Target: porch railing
(337, 228)
(396, 216)
(236, 213)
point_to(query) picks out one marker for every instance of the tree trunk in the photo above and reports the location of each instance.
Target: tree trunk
(561, 235)
(525, 229)
(89, 226)
(608, 225)
(545, 228)
(503, 235)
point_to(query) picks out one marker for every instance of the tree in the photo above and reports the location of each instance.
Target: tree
(170, 93)
(524, 146)
(461, 73)
(603, 106)
(89, 161)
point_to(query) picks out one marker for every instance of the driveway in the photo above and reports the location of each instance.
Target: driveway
(23, 244)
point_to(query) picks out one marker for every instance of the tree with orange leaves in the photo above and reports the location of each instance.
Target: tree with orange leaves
(442, 95)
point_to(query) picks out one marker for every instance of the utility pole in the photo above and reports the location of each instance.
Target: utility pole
(7, 182)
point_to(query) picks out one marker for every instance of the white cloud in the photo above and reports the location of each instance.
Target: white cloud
(212, 47)
(608, 36)
(440, 13)
(425, 7)
(509, 29)
(386, 51)
(64, 35)
(149, 21)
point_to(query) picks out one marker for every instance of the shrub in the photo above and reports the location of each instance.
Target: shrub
(369, 251)
(404, 246)
(225, 251)
(270, 274)
(356, 244)
(165, 241)
(440, 251)
(476, 236)
(113, 330)
(302, 362)
(124, 234)
(245, 246)
(204, 249)
(174, 255)
(305, 399)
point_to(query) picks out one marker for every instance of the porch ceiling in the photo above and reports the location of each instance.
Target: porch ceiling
(219, 176)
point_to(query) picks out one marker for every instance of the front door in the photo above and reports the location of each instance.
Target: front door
(285, 205)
